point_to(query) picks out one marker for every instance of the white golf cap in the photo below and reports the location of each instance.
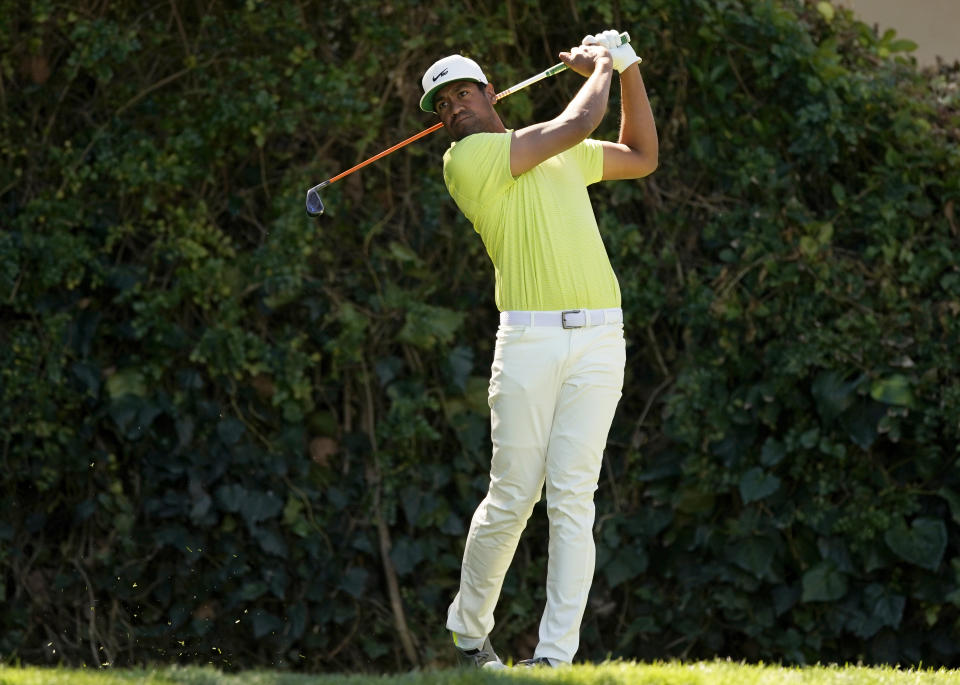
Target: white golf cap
(448, 70)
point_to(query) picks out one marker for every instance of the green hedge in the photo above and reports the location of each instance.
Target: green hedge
(233, 434)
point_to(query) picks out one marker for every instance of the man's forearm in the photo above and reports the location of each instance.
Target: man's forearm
(638, 131)
(590, 103)
(533, 144)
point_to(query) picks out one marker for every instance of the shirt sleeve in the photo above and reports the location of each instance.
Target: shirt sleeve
(589, 157)
(477, 169)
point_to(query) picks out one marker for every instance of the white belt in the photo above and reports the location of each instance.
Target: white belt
(569, 318)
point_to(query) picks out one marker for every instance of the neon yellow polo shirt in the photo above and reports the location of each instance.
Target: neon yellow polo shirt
(539, 228)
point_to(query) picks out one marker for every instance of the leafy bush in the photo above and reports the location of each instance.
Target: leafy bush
(233, 434)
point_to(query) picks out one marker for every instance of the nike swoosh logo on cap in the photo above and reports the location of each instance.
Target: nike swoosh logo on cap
(442, 73)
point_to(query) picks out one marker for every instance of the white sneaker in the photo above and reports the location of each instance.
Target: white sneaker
(484, 657)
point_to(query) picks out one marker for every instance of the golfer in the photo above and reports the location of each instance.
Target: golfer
(558, 364)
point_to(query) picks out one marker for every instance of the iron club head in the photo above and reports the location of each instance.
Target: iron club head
(314, 203)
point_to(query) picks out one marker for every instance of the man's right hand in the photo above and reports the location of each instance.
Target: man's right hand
(584, 59)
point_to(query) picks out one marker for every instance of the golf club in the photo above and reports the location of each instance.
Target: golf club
(315, 204)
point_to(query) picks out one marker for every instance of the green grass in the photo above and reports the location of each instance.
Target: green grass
(625, 673)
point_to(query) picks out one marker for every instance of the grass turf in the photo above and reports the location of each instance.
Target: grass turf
(618, 673)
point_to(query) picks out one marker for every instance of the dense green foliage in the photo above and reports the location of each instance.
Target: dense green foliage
(230, 433)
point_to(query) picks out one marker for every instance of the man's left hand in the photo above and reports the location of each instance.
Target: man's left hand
(623, 55)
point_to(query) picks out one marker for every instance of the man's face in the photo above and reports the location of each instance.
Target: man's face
(466, 107)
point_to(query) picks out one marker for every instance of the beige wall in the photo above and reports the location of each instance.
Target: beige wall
(934, 25)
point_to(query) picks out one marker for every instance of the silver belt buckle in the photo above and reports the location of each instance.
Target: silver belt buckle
(563, 318)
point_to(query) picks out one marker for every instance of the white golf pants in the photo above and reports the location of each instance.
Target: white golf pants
(553, 393)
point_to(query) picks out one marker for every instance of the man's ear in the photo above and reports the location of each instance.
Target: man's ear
(491, 93)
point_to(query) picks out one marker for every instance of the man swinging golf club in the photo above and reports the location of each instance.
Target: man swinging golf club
(558, 363)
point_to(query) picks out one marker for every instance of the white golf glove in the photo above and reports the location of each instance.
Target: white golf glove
(623, 55)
